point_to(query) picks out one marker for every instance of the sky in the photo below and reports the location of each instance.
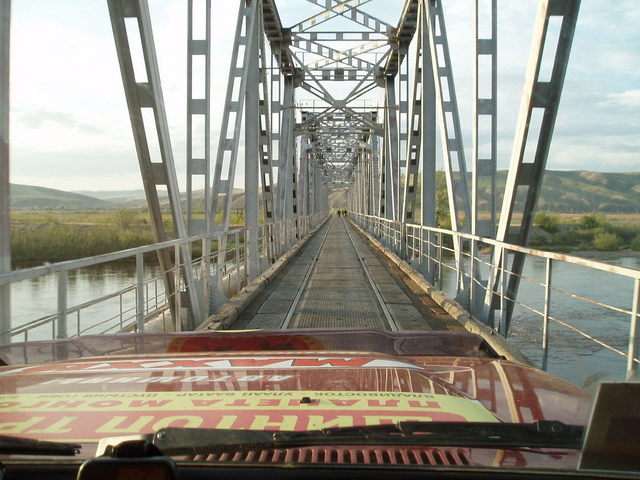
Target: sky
(70, 126)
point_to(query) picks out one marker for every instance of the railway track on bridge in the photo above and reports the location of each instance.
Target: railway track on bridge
(336, 282)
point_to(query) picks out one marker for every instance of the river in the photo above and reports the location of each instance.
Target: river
(571, 356)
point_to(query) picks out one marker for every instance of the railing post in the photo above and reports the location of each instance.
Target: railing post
(206, 252)
(439, 235)
(247, 278)
(61, 324)
(220, 260)
(403, 241)
(503, 295)
(176, 291)
(140, 292)
(632, 366)
(472, 274)
(547, 307)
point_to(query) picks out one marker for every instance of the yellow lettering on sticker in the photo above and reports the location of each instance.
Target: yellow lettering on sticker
(185, 421)
(56, 427)
(19, 427)
(117, 424)
(282, 422)
(316, 422)
(227, 421)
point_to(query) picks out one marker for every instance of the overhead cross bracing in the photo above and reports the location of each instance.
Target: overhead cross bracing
(341, 97)
(385, 149)
(379, 97)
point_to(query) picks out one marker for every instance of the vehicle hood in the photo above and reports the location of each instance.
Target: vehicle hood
(304, 388)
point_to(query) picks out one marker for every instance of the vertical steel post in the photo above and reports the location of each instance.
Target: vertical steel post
(526, 172)
(286, 164)
(634, 334)
(61, 324)
(199, 166)
(251, 154)
(5, 199)
(176, 291)
(145, 95)
(392, 167)
(547, 309)
(140, 292)
(403, 129)
(484, 167)
(484, 110)
(206, 273)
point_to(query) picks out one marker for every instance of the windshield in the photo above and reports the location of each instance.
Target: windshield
(385, 233)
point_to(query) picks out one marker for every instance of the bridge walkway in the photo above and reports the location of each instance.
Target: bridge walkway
(339, 280)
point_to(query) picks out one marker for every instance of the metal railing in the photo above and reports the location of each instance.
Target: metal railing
(217, 276)
(430, 251)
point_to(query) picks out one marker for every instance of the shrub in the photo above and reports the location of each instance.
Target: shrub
(573, 238)
(635, 243)
(547, 221)
(593, 220)
(124, 217)
(626, 232)
(606, 241)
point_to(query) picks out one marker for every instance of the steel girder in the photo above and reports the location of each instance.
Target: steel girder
(484, 165)
(526, 172)
(5, 200)
(145, 94)
(198, 107)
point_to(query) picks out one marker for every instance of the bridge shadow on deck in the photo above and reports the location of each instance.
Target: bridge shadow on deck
(327, 285)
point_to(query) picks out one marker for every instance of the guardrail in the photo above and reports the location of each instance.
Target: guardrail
(429, 250)
(132, 307)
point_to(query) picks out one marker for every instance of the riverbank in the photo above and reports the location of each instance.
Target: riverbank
(49, 236)
(570, 233)
(41, 236)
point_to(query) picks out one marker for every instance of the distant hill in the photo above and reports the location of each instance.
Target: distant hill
(119, 198)
(562, 191)
(584, 192)
(41, 198)
(566, 192)
(338, 198)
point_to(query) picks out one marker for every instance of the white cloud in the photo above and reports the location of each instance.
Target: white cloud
(69, 111)
(627, 100)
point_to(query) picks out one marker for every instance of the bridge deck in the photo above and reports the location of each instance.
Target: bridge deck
(338, 280)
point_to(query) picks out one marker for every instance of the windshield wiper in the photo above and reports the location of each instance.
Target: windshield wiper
(28, 446)
(541, 434)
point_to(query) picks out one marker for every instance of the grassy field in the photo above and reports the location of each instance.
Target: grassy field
(39, 236)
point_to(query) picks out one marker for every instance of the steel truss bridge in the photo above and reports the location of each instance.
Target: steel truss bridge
(310, 108)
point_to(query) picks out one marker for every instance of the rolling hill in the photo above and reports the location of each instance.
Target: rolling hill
(562, 191)
(28, 197)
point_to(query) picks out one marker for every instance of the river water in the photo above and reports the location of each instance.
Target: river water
(571, 356)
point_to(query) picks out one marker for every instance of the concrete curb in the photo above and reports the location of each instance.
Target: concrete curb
(453, 308)
(231, 310)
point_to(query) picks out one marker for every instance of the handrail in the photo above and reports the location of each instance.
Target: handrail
(402, 239)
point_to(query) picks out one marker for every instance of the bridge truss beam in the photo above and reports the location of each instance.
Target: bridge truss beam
(536, 120)
(131, 22)
(5, 199)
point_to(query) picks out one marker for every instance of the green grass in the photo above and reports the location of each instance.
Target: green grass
(54, 243)
(56, 235)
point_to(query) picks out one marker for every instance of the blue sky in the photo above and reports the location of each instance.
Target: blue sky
(70, 127)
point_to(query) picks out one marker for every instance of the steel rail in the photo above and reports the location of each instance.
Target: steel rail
(383, 306)
(305, 281)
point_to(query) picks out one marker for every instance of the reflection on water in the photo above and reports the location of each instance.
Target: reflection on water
(572, 356)
(38, 298)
